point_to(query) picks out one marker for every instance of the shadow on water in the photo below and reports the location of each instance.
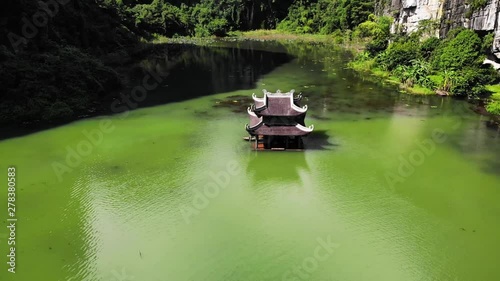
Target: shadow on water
(318, 140)
(192, 72)
(202, 71)
(492, 166)
(277, 169)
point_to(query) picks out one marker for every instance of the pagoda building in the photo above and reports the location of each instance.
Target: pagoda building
(277, 121)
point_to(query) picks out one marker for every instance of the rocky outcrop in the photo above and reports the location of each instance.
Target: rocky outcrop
(454, 15)
(444, 15)
(486, 18)
(412, 12)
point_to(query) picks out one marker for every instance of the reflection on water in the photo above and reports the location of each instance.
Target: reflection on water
(319, 140)
(201, 71)
(282, 172)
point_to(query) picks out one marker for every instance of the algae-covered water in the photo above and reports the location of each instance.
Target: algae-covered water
(391, 187)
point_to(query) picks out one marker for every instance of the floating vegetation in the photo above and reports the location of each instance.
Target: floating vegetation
(237, 103)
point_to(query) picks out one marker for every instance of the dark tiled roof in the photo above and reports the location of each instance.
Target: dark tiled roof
(278, 104)
(275, 108)
(254, 119)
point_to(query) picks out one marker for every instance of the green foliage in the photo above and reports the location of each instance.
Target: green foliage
(416, 73)
(376, 46)
(453, 33)
(200, 18)
(214, 17)
(374, 27)
(58, 109)
(301, 18)
(449, 79)
(453, 64)
(363, 56)
(160, 17)
(493, 107)
(475, 5)
(487, 43)
(426, 28)
(428, 46)
(468, 82)
(378, 28)
(53, 85)
(326, 16)
(459, 52)
(399, 53)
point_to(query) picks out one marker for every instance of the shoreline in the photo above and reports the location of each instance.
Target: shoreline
(164, 43)
(354, 47)
(366, 67)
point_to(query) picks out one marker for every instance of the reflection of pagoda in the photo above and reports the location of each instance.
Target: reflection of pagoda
(277, 122)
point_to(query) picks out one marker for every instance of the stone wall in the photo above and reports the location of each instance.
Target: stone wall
(448, 14)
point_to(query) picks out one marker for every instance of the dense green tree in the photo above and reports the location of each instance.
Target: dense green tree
(399, 53)
(326, 16)
(461, 51)
(378, 29)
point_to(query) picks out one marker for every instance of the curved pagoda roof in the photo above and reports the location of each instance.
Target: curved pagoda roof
(278, 104)
(282, 106)
(264, 129)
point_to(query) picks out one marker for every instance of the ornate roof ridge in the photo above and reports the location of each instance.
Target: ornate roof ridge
(261, 104)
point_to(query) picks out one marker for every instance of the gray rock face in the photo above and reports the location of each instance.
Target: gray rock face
(485, 19)
(411, 12)
(407, 4)
(495, 49)
(453, 16)
(449, 14)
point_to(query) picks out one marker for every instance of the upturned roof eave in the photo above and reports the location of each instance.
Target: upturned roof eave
(297, 130)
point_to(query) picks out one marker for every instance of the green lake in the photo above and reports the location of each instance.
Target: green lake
(391, 187)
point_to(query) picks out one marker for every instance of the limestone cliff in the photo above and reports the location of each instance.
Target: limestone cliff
(445, 14)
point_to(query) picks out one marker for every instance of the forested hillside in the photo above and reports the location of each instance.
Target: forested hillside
(200, 18)
(52, 57)
(211, 17)
(59, 57)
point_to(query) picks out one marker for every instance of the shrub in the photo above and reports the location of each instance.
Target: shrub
(363, 56)
(325, 16)
(426, 27)
(399, 53)
(475, 5)
(367, 29)
(459, 52)
(340, 37)
(453, 33)
(487, 43)
(217, 27)
(57, 110)
(467, 80)
(301, 18)
(428, 46)
(379, 29)
(53, 85)
(376, 46)
(493, 107)
(416, 73)
(449, 79)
